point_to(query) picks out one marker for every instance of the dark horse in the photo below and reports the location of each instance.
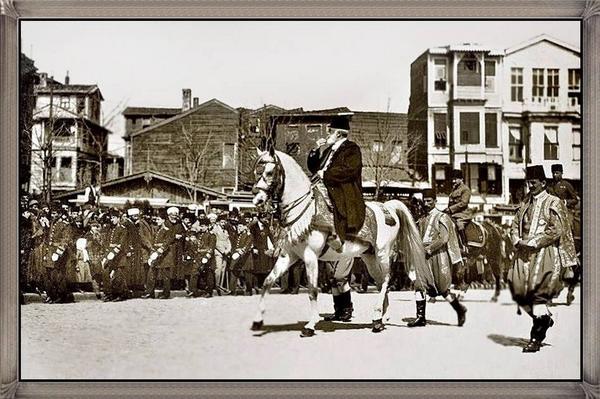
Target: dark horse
(487, 258)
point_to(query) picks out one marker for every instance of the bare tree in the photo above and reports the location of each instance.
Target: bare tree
(387, 153)
(98, 144)
(197, 154)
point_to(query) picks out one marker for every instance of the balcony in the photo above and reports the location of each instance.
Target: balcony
(551, 104)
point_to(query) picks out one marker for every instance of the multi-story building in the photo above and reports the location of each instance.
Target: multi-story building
(541, 110)
(456, 104)
(199, 144)
(490, 112)
(69, 145)
(27, 80)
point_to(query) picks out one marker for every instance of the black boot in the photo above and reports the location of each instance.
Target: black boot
(336, 310)
(541, 324)
(346, 307)
(420, 321)
(461, 311)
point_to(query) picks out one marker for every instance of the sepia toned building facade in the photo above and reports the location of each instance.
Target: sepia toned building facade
(541, 110)
(491, 112)
(69, 144)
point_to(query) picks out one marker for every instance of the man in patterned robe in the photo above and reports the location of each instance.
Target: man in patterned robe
(545, 251)
(442, 252)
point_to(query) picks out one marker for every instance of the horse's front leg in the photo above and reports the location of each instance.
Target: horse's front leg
(379, 268)
(311, 262)
(281, 265)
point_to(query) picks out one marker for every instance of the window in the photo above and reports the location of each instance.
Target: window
(551, 143)
(553, 83)
(80, 105)
(516, 84)
(576, 143)
(228, 156)
(64, 102)
(440, 130)
(483, 178)
(575, 79)
(62, 170)
(441, 183)
(439, 70)
(396, 155)
(469, 128)
(424, 74)
(469, 71)
(574, 87)
(377, 146)
(491, 130)
(471, 173)
(515, 144)
(314, 130)
(490, 76)
(537, 85)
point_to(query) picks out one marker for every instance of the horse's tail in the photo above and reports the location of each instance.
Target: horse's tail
(410, 244)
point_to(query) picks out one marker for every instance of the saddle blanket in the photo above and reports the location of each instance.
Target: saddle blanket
(323, 221)
(475, 234)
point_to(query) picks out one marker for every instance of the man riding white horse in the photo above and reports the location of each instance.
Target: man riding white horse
(337, 166)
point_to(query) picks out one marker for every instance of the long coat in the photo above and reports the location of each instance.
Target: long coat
(166, 243)
(262, 263)
(205, 249)
(342, 177)
(543, 224)
(441, 243)
(59, 242)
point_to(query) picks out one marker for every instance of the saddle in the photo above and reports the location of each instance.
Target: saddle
(323, 219)
(475, 234)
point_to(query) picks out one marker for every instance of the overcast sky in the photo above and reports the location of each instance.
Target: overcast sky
(309, 64)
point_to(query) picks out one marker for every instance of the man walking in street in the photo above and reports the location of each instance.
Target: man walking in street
(442, 253)
(544, 247)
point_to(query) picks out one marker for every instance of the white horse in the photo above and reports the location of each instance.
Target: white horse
(280, 178)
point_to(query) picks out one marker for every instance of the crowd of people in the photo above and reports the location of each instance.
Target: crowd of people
(133, 251)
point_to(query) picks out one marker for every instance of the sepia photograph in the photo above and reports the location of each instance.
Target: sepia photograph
(289, 200)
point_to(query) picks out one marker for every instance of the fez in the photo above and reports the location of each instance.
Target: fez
(557, 167)
(535, 172)
(429, 193)
(457, 174)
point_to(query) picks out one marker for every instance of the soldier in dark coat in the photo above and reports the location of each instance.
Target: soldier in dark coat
(241, 244)
(118, 259)
(262, 250)
(165, 256)
(188, 251)
(57, 260)
(338, 162)
(143, 246)
(203, 274)
(458, 204)
(562, 188)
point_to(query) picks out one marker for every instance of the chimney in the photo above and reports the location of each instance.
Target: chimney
(67, 78)
(43, 79)
(187, 100)
(196, 102)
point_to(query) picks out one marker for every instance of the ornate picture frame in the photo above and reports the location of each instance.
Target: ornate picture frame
(12, 10)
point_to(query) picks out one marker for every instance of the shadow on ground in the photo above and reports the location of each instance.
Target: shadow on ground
(509, 341)
(324, 326)
(429, 321)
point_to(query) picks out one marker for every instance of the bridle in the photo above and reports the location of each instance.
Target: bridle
(274, 191)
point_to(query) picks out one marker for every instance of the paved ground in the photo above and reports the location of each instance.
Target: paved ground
(184, 338)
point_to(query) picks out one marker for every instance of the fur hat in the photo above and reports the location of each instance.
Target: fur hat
(340, 122)
(457, 174)
(557, 167)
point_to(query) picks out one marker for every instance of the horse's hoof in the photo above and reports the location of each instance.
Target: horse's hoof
(307, 332)
(378, 326)
(494, 299)
(257, 325)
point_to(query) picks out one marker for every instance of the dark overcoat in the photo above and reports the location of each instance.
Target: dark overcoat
(343, 180)
(262, 263)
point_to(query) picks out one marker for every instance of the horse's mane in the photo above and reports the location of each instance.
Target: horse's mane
(295, 185)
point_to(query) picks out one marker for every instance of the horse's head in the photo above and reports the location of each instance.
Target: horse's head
(269, 180)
